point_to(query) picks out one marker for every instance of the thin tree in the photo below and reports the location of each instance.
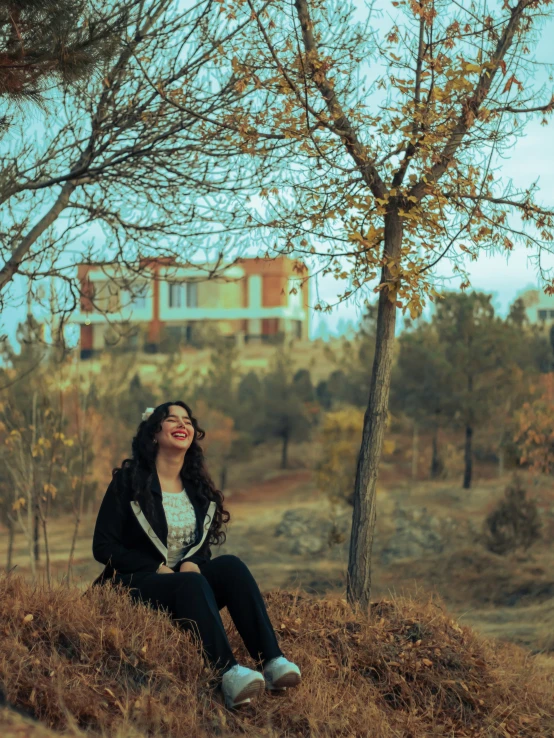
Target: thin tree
(381, 184)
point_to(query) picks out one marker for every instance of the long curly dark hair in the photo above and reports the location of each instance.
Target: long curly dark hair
(142, 466)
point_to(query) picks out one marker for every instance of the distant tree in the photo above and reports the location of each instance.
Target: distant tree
(529, 357)
(481, 361)
(217, 387)
(133, 402)
(115, 392)
(535, 428)
(339, 441)
(286, 416)
(421, 386)
(176, 379)
(529, 341)
(7, 515)
(36, 453)
(348, 383)
(324, 394)
(466, 367)
(222, 440)
(302, 385)
(249, 410)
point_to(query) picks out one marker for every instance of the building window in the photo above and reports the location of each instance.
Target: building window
(176, 295)
(106, 297)
(543, 314)
(192, 295)
(183, 294)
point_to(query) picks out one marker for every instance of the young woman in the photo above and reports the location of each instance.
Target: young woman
(155, 525)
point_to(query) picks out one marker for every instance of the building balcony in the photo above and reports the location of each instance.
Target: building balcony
(190, 314)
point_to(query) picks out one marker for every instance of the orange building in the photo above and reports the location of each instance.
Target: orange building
(252, 299)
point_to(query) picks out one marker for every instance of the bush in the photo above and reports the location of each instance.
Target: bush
(514, 523)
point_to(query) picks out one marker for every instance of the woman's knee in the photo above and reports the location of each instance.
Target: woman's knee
(190, 580)
(232, 564)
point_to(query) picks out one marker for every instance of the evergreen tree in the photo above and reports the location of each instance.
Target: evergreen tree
(217, 387)
(302, 386)
(53, 40)
(421, 385)
(324, 394)
(133, 402)
(488, 358)
(285, 414)
(249, 410)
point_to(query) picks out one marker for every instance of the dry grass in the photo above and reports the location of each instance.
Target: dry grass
(97, 662)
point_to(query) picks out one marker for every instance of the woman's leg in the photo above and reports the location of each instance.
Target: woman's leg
(190, 600)
(234, 586)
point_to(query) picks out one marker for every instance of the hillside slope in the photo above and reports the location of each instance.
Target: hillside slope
(408, 669)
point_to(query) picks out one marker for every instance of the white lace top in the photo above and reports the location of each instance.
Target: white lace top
(181, 523)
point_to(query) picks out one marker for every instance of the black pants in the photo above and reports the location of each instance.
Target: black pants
(194, 601)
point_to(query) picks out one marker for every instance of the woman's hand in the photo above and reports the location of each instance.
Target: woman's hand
(165, 570)
(189, 566)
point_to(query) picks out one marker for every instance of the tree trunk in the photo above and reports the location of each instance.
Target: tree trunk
(30, 519)
(435, 461)
(285, 451)
(46, 550)
(468, 456)
(78, 509)
(11, 534)
(468, 449)
(36, 533)
(364, 513)
(31, 498)
(501, 461)
(78, 515)
(415, 451)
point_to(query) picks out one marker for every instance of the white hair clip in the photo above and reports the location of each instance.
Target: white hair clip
(147, 413)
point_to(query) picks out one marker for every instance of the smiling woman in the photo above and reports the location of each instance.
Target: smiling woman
(159, 516)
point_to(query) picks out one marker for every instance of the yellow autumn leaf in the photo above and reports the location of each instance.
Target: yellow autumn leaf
(49, 489)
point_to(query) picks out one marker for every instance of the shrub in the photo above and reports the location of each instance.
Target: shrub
(514, 523)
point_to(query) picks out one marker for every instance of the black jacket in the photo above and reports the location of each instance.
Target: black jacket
(133, 544)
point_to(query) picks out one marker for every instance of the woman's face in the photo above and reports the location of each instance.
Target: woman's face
(177, 432)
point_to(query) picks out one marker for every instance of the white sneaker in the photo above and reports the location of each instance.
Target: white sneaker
(240, 684)
(280, 673)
